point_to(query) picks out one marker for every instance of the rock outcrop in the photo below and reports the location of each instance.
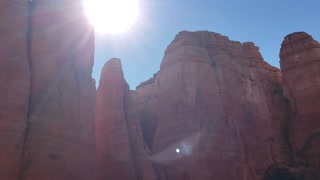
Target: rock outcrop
(113, 143)
(215, 109)
(47, 93)
(300, 63)
(60, 141)
(14, 85)
(219, 104)
(120, 151)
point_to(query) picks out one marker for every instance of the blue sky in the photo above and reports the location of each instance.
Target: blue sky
(264, 22)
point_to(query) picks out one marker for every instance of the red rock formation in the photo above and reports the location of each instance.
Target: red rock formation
(214, 110)
(120, 152)
(221, 105)
(14, 85)
(60, 142)
(300, 63)
(113, 146)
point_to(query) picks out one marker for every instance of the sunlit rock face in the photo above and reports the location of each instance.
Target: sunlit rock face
(215, 110)
(60, 141)
(14, 85)
(220, 104)
(120, 151)
(113, 144)
(300, 64)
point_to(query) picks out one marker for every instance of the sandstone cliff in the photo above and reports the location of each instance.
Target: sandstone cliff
(214, 110)
(300, 63)
(217, 110)
(113, 144)
(221, 105)
(120, 151)
(14, 85)
(47, 93)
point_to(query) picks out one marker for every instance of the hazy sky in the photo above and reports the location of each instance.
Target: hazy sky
(264, 22)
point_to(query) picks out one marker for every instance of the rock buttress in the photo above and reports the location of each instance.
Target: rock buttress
(214, 110)
(300, 63)
(120, 151)
(113, 145)
(14, 85)
(60, 142)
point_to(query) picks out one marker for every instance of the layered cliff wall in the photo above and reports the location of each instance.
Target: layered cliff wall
(214, 110)
(217, 110)
(14, 85)
(60, 141)
(221, 105)
(300, 62)
(47, 93)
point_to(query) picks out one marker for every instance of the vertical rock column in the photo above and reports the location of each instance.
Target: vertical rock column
(60, 142)
(113, 144)
(14, 85)
(300, 64)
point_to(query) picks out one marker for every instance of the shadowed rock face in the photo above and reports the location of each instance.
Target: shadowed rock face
(14, 85)
(60, 142)
(47, 93)
(300, 63)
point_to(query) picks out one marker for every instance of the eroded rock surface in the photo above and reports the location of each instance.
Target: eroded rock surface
(113, 143)
(215, 109)
(14, 85)
(221, 106)
(60, 141)
(47, 93)
(300, 63)
(120, 150)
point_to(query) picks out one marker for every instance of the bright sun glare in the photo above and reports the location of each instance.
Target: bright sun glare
(112, 16)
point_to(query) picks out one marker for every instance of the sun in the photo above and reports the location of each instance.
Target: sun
(112, 16)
